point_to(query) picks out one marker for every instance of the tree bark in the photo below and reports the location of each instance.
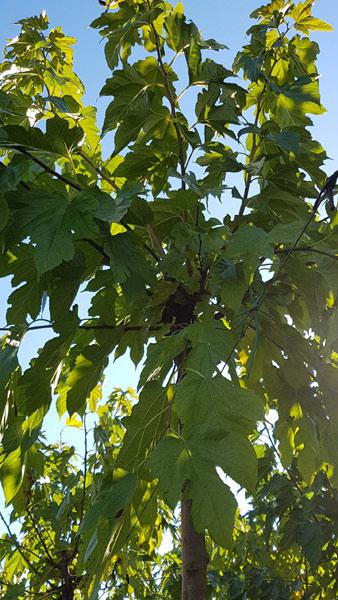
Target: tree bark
(194, 557)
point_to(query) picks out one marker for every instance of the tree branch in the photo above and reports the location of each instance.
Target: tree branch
(305, 249)
(83, 497)
(97, 169)
(19, 547)
(47, 168)
(75, 186)
(88, 327)
(44, 545)
(98, 248)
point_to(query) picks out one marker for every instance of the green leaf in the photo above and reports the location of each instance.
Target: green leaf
(233, 453)
(170, 463)
(4, 212)
(11, 474)
(112, 499)
(211, 344)
(85, 375)
(306, 24)
(213, 505)
(160, 357)
(107, 208)
(50, 219)
(67, 279)
(59, 137)
(217, 405)
(250, 243)
(145, 425)
(8, 363)
(128, 264)
(45, 220)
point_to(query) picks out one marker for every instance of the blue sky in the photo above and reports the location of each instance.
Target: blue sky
(224, 20)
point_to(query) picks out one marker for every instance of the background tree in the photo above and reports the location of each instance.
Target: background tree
(233, 317)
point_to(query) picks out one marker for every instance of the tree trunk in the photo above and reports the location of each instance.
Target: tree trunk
(194, 558)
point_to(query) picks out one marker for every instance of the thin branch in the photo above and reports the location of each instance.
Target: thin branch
(116, 189)
(97, 169)
(306, 249)
(84, 467)
(141, 513)
(98, 248)
(145, 245)
(171, 102)
(39, 534)
(253, 150)
(19, 547)
(254, 144)
(47, 168)
(83, 497)
(88, 327)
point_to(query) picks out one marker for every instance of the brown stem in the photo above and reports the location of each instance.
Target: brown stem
(67, 583)
(194, 557)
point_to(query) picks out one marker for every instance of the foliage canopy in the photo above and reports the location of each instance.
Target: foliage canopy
(233, 317)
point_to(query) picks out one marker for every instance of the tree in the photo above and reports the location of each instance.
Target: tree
(233, 317)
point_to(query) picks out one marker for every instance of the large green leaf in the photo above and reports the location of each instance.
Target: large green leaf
(213, 505)
(146, 424)
(50, 219)
(11, 473)
(59, 137)
(233, 453)
(111, 500)
(211, 344)
(85, 374)
(171, 464)
(217, 405)
(250, 243)
(8, 363)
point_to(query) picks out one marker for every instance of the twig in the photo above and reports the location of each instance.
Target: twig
(39, 534)
(171, 102)
(83, 497)
(19, 547)
(88, 327)
(253, 150)
(98, 248)
(254, 145)
(306, 249)
(141, 513)
(47, 168)
(116, 189)
(97, 169)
